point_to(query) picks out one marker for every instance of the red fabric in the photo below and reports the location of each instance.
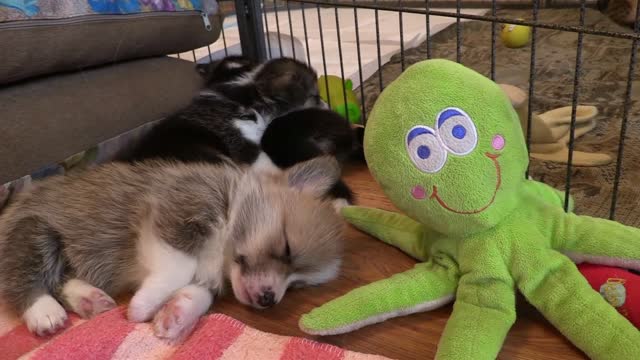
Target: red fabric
(200, 345)
(96, 339)
(20, 341)
(612, 282)
(298, 349)
(110, 336)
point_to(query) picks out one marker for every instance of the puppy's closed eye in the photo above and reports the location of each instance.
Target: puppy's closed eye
(240, 260)
(285, 256)
(287, 252)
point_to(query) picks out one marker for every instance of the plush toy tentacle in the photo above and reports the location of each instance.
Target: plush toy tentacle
(393, 228)
(547, 194)
(567, 300)
(599, 241)
(425, 287)
(482, 315)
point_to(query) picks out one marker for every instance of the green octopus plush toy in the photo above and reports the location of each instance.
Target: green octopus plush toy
(446, 146)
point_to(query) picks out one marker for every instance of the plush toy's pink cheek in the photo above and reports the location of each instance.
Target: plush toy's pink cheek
(418, 192)
(497, 142)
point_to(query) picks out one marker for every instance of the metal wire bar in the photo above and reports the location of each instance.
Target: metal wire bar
(293, 46)
(428, 29)
(625, 116)
(532, 75)
(250, 30)
(355, 21)
(266, 25)
(306, 36)
(494, 35)
(178, 55)
(275, 11)
(458, 32)
(193, 52)
(378, 45)
(224, 40)
(344, 88)
(486, 4)
(574, 107)
(401, 40)
(568, 28)
(209, 51)
(324, 60)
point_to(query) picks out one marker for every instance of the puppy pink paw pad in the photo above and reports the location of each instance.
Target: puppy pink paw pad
(95, 303)
(174, 320)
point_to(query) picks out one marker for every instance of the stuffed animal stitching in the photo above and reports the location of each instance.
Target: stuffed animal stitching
(445, 145)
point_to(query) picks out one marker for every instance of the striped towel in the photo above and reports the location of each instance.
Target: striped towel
(111, 336)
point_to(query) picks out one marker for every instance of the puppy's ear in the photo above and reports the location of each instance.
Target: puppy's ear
(275, 84)
(315, 176)
(287, 81)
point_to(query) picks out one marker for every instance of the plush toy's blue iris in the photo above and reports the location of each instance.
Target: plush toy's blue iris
(424, 152)
(459, 132)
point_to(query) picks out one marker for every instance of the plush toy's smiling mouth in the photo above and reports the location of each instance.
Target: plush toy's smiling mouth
(494, 158)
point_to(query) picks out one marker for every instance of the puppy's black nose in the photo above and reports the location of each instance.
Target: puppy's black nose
(267, 299)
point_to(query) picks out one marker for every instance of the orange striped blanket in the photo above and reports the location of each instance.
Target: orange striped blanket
(111, 336)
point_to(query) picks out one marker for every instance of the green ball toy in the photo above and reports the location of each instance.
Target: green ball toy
(515, 36)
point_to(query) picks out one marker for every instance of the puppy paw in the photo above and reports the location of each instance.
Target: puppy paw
(140, 310)
(176, 318)
(86, 300)
(45, 316)
(96, 303)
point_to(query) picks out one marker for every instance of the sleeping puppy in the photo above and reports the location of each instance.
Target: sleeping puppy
(228, 117)
(173, 233)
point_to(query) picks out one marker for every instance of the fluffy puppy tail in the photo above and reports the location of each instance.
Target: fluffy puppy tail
(32, 262)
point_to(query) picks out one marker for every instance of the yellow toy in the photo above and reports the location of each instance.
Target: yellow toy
(515, 36)
(335, 97)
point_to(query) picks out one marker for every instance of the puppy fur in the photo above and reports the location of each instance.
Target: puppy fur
(228, 117)
(171, 232)
(309, 133)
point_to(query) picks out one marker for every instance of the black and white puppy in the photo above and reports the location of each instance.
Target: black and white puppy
(229, 117)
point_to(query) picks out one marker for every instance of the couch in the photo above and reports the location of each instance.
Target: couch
(77, 74)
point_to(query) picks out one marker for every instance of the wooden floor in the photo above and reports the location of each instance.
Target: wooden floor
(411, 337)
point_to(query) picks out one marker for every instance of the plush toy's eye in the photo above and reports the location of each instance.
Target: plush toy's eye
(457, 131)
(425, 150)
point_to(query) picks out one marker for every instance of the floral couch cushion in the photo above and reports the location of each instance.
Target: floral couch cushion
(41, 37)
(11, 10)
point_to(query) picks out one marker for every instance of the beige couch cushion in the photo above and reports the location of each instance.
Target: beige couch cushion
(47, 120)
